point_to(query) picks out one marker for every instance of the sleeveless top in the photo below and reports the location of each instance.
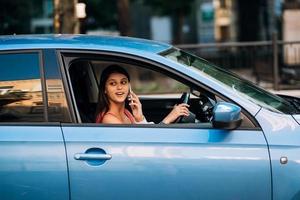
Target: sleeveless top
(101, 115)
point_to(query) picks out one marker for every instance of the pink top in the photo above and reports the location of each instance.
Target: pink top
(100, 116)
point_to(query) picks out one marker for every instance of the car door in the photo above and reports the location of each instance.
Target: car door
(32, 160)
(154, 161)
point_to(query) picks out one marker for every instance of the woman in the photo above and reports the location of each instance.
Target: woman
(113, 92)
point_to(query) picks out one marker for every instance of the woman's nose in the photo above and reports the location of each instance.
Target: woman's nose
(119, 86)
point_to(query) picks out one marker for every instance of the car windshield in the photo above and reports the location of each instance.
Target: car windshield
(242, 87)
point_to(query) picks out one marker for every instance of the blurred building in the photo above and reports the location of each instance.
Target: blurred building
(236, 20)
(291, 32)
(213, 21)
(209, 21)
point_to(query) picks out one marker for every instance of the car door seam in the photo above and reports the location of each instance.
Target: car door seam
(270, 161)
(67, 161)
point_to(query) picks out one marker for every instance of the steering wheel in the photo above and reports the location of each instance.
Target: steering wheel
(185, 98)
(206, 106)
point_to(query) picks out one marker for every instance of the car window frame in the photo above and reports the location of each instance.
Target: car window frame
(57, 65)
(143, 62)
(42, 78)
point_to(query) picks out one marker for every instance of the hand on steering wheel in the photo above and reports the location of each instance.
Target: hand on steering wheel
(179, 110)
(184, 99)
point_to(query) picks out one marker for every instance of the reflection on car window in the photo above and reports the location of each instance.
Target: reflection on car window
(57, 104)
(242, 87)
(20, 88)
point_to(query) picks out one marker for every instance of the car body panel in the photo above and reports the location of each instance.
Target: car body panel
(147, 162)
(283, 135)
(80, 42)
(33, 163)
(169, 163)
(297, 118)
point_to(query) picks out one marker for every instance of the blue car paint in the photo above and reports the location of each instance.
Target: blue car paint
(166, 162)
(226, 112)
(80, 42)
(32, 163)
(169, 163)
(297, 118)
(283, 135)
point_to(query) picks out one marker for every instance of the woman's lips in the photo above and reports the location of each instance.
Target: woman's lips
(120, 93)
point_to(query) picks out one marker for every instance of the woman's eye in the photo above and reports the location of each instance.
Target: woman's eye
(112, 83)
(124, 82)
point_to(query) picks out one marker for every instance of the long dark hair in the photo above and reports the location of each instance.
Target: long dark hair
(103, 104)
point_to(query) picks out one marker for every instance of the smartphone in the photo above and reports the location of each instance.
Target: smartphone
(129, 95)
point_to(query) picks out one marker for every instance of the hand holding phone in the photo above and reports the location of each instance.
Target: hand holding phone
(135, 105)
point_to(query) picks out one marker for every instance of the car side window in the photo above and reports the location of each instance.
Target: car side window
(85, 78)
(158, 90)
(149, 82)
(21, 98)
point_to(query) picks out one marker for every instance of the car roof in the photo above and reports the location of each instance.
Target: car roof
(59, 41)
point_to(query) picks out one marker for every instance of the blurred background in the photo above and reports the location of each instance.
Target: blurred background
(257, 39)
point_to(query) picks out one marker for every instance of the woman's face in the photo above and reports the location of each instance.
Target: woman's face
(117, 88)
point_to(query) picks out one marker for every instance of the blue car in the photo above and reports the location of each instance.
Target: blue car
(239, 141)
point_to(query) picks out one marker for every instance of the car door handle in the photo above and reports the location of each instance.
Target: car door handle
(91, 156)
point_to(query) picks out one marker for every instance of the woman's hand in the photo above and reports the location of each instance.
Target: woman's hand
(178, 110)
(136, 107)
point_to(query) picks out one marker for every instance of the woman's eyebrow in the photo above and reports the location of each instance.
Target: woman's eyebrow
(112, 79)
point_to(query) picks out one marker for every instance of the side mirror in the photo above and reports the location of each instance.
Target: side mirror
(226, 116)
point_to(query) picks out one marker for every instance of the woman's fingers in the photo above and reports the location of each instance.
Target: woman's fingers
(184, 105)
(133, 94)
(185, 113)
(136, 107)
(135, 98)
(133, 104)
(182, 109)
(178, 110)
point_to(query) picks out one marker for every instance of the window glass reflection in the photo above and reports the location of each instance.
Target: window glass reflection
(20, 88)
(57, 104)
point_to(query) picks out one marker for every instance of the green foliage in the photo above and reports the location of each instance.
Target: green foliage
(101, 13)
(15, 15)
(168, 7)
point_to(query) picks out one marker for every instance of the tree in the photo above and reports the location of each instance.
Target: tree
(176, 8)
(101, 14)
(112, 14)
(124, 17)
(65, 20)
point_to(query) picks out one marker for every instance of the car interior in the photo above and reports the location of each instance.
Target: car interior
(85, 75)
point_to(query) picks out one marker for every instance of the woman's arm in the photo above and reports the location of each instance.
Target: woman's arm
(178, 110)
